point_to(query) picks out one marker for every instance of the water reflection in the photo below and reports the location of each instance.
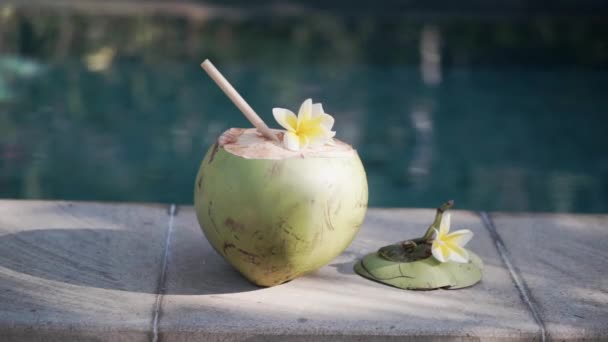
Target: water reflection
(430, 55)
(116, 108)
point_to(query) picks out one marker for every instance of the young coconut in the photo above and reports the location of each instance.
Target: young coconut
(436, 260)
(278, 204)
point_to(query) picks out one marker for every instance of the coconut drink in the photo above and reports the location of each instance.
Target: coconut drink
(277, 204)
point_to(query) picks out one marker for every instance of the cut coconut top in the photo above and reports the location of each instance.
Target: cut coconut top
(250, 144)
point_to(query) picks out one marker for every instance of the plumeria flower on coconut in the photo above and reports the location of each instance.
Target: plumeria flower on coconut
(447, 246)
(311, 127)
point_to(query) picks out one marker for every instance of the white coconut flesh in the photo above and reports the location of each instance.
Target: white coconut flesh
(250, 144)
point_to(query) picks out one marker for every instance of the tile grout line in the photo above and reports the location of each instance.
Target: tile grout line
(520, 283)
(163, 275)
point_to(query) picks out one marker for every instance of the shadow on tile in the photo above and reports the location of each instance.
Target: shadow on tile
(103, 258)
(117, 260)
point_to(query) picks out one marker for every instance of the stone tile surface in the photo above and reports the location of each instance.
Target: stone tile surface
(89, 271)
(207, 301)
(79, 271)
(564, 261)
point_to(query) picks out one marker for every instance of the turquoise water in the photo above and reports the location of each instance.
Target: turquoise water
(505, 115)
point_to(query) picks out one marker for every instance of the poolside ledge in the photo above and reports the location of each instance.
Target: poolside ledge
(144, 272)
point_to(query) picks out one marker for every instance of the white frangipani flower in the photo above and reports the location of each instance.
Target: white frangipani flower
(448, 246)
(312, 126)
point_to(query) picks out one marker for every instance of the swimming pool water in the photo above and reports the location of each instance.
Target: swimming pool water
(501, 114)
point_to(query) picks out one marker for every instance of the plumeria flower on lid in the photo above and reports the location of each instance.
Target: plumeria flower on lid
(448, 246)
(312, 126)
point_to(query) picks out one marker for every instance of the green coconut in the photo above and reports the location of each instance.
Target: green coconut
(275, 214)
(410, 265)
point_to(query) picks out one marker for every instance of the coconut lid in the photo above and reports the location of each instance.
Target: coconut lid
(250, 144)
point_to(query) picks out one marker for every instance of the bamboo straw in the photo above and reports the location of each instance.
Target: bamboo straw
(238, 100)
